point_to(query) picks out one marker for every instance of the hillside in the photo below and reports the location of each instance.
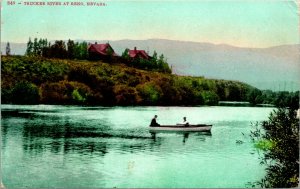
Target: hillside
(275, 68)
(32, 80)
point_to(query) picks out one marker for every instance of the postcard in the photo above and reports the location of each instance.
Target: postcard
(149, 93)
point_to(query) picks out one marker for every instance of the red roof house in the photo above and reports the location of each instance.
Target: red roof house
(138, 54)
(101, 51)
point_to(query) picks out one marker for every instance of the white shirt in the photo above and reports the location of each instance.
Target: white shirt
(185, 122)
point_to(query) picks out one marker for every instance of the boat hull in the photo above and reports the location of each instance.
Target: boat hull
(190, 128)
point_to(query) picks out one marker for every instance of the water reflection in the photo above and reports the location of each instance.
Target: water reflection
(185, 135)
(16, 113)
(85, 147)
(63, 129)
(37, 139)
(56, 134)
(36, 146)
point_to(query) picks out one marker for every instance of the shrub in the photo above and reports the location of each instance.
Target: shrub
(25, 93)
(77, 97)
(150, 93)
(280, 142)
(210, 98)
(6, 95)
(65, 92)
(125, 95)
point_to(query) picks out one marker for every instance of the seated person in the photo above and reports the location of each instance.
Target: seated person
(153, 122)
(185, 122)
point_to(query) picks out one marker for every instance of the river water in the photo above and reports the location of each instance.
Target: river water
(46, 146)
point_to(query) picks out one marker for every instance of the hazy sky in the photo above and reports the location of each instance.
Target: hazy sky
(238, 23)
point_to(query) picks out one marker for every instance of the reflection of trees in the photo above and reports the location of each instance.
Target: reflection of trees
(141, 145)
(67, 137)
(78, 146)
(62, 130)
(3, 133)
(84, 147)
(15, 113)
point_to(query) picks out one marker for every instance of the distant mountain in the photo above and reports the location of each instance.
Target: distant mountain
(16, 48)
(275, 68)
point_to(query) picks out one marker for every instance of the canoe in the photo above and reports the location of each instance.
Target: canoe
(188, 128)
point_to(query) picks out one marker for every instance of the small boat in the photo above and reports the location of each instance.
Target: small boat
(182, 128)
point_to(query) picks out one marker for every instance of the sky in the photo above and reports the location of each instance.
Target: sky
(249, 23)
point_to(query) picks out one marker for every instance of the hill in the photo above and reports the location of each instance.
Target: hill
(33, 80)
(276, 68)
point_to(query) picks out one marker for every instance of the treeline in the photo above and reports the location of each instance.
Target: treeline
(71, 50)
(79, 51)
(33, 80)
(278, 98)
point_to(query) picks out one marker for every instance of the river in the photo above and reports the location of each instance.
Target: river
(46, 146)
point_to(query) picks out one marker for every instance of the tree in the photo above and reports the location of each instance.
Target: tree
(71, 49)
(162, 65)
(39, 47)
(29, 49)
(253, 95)
(7, 49)
(58, 49)
(42, 44)
(45, 48)
(109, 51)
(160, 61)
(280, 143)
(36, 46)
(81, 50)
(154, 60)
(125, 54)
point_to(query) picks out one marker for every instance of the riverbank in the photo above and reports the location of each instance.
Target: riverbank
(242, 104)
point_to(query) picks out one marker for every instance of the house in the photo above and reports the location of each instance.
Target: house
(138, 54)
(101, 52)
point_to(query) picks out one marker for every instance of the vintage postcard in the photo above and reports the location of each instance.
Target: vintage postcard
(149, 93)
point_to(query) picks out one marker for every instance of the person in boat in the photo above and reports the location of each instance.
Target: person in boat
(185, 122)
(153, 122)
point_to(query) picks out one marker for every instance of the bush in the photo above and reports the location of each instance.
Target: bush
(150, 93)
(126, 95)
(25, 93)
(6, 96)
(280, 143)
(65, 92)
(210, 98)
(77, 97)
(36, 70)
